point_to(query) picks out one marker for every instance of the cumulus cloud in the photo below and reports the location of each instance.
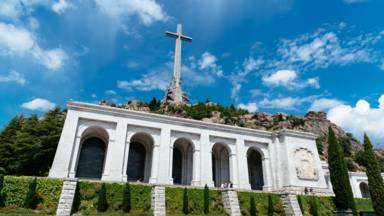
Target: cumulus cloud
(324, 104)
(148, 11)
(354, 1)
(13, 76)
(289, 79)
(360, 119)
(18, 41)
(251, 107)
(208, 61)
(61, 5)
(38, 104)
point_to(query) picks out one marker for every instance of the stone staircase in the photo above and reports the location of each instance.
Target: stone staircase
(291, 205)
(231, 203)
(158, 200)
(66, 198)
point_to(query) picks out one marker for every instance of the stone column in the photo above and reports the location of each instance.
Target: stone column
(75, 157)
(164, 156)
(170, 166)
(155, 164)
(243, 174)
(206, 160)
(114, 162)
(62, 162)
(196, 168)
(233, 170)
(267, 178)
(125, 160)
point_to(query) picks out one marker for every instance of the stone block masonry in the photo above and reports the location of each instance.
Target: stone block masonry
(291, 205)
(67, 196)
(231, 202)
(158, 200)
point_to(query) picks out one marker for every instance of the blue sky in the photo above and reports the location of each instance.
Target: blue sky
(271, 56)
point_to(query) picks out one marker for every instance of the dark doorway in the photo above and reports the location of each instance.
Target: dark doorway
(136, 162)
(177, 163)
(255, 170)
(364, 190)
(91, 160)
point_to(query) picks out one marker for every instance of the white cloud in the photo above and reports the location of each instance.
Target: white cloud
(289, 79)
(362, 118)
(39, 104)
(208, 61)
(14, 9)
(110, 92)
(154, 80)
(251, 107)
(33, 23)
(13, 76)
(18, 41)
(61, 5)
(286, 103)
(93, 95)
(148, 11)
(324, 104)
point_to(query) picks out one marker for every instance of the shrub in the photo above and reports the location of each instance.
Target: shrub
(102, 204)
(313, 207)
(375, 180)
(32, 198)
(206, 199)
(127, 198)
(270, 205)
(252, 208)
(185, 201)
(2, 195)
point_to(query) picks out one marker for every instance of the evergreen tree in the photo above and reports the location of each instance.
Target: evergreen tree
(206, 199)
(32, 198)
(375, 181)
(300, 201)
(127, 198)
(270, 206)
(252, 206)
(339, 175)
(313, 206)
(102, 204)
(7, 139)
(2, 196)
(154, 104)
(185, 202)
(76, 199)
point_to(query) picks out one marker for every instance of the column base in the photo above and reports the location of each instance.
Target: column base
(152, 180)
(71, 174)
(195, 183)
(267, 188)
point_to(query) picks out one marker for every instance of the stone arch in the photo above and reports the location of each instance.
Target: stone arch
(93, 147)
(255, 168)
(220, 164)
(364, 189)
(140, 157)
(182, 162)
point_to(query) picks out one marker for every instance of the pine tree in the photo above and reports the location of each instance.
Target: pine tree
(300, 201)
(154, 104)
(127, 198)
(375, 181)
(2, 196)
(270, 206)
(76, 199)
(313, 206)
(185, 202)
(102, 204)
(206, 199)
(252, 206)
(339, 175)
(32, 199)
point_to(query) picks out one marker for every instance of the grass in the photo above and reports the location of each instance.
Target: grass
(261, 200)
(22, 212)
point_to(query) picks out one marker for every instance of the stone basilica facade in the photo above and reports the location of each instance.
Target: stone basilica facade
(113, 144)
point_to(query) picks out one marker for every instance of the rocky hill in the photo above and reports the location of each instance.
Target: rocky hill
(314, 122)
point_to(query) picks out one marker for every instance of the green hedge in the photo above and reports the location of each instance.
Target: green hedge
(174, 201)
(327, 207)
(140, 198)
(16, 189)
(261, 203)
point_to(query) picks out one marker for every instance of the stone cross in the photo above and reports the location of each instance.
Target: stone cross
(174, 93)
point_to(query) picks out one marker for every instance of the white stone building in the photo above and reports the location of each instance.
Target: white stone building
(113, 144)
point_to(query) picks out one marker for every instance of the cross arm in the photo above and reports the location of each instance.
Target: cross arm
(175, 35)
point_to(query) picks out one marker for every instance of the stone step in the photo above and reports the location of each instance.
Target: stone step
(291, 205)
(231, 203)
(158, 200)
(67, 196)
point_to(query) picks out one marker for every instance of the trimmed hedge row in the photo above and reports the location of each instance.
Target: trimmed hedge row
(16, 189)
(140, 198)
(326, 205)
(174, 201)
(261, 200)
